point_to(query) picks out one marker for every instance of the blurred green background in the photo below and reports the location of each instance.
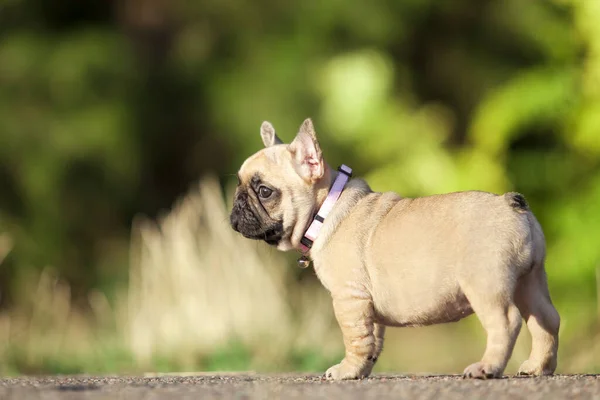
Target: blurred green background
(115, 110)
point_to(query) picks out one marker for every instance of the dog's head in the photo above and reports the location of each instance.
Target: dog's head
(280, 188)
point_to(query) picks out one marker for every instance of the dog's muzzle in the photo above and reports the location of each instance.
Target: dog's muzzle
(244, 220)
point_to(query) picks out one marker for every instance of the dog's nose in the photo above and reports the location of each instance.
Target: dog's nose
(234, 220)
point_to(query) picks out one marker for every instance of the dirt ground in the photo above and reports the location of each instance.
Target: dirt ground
(246, 386)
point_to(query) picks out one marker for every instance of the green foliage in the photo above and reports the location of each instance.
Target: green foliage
(234, 357)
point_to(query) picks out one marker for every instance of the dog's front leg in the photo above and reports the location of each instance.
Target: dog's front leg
(356, 319)
(379, 333)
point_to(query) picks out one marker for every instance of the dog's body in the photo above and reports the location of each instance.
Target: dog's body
(392, 261)
(420, 274)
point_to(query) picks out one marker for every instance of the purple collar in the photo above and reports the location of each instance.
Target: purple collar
(313, 230)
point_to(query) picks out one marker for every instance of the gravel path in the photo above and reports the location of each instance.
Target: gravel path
(244, 386)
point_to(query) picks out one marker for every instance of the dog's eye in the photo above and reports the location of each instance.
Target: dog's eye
(264, 192)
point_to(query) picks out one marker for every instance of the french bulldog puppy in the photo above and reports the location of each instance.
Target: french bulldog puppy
(394, 261)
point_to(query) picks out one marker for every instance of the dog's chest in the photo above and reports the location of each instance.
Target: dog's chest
(325, 275)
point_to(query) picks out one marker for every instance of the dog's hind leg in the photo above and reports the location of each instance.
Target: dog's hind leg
(501, 320)
(533, 299)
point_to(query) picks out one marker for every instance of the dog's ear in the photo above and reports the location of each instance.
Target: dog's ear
(268, 135)
(306, 153)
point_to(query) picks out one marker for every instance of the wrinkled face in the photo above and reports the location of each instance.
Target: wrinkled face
(276, 195)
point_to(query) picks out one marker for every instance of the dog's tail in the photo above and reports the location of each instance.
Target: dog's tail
(517, 201)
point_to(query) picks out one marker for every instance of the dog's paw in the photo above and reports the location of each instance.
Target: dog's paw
(528, 368)
(480, 370)
(345, 371)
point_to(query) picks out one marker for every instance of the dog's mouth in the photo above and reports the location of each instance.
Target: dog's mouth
(271, 235)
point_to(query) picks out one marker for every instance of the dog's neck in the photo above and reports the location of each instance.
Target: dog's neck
(356, 189)
(325, 186)
(335, 182)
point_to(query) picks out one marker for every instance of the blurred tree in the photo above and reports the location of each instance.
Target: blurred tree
(95, 126)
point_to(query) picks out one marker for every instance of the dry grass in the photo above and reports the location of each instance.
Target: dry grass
(43, 332)
(196, 286)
